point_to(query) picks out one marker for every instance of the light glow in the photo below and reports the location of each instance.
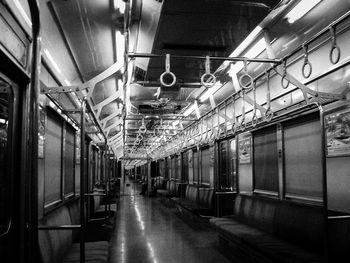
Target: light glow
(23, 13)
(52, 61)
(246, 42)
(119, 4)
(189, 110)
(301, 9)
(120, 46)
(210, 91)
(67, 82)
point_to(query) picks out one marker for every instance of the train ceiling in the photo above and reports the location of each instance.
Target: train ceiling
(84, 38)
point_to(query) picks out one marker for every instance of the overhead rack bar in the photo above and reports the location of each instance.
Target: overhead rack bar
(261, 60)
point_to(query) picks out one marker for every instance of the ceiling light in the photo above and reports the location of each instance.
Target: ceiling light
(23, 13)
(246, 42)
(67, 82)
(53, 62)
(210, 91)
(120, 46)
(119, 4)
(301, 9)
(189, 110)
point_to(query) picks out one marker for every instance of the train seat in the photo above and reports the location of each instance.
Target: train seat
(57, 246)
(197, 200)
(273, 230)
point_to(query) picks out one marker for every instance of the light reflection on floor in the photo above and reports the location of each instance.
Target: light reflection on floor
(146, 231)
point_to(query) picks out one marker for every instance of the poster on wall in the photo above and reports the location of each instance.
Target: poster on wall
(337, 131)
(244, 148)
(190, 157)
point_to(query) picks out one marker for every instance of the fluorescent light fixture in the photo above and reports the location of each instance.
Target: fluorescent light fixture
(301, 9)
(2, 121)
(53, 62)
(23, 13)
(246, 42)
(189, 110)
(67, 82)
(119, 4)
(177, 122)
(253, 52)
(120, 45)
(210, 91)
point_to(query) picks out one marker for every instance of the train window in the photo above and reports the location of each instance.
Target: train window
(205, 167)
(6, 103)
(185, 167)
(53, 156)
(265, 160)
(168, 167)
(303, 157)
(69, 161)
(195, 167)
(178, 167)
(232, 168)
(223, 173)
(173, 168)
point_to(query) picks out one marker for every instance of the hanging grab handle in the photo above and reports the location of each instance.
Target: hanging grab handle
(143, 128)
(208, 79)
(334, 54)
(243, 124)
(167, 74)
(285, 80)
(268, 113)
(307, 67)
(249, 84)
(254, 118)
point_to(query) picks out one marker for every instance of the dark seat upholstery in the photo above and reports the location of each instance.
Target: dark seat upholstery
(197, 200)
(278, 231)
(57, 245)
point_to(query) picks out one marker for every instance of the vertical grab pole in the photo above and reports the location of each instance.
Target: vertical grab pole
(106, 179)
(82, 182)
(324, 182)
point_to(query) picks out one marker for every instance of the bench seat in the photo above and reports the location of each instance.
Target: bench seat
(196, 200)
(269, 248)
(96, 252)
(58, 246)
(274, 230)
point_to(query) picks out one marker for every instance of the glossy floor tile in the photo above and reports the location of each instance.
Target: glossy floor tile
(147, 231)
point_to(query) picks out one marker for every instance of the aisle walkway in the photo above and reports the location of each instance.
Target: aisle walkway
(147, 231)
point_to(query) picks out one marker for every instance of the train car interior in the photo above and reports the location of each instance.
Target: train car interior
(174, 131)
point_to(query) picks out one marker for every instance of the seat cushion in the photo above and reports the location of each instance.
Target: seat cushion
(262, 242)
(95, 252)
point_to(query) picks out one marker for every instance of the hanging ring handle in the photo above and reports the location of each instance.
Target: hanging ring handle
(249, 84)
(285, 80)
(167, 73)
(268, 113)
(208, 79)
(334, 54)
(243, 124)
(307, 67)
(143, 128)
(254, 118)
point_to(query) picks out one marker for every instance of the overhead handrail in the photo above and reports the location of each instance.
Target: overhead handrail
(208, 79)
(167, 73)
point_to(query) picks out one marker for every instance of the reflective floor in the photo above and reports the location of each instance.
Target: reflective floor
(147, 231)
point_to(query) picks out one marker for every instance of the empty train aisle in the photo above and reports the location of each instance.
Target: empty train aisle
(146, 231)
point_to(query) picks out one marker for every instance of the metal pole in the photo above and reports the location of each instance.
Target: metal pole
(82, 182)
(150, 55)
(33, 130)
